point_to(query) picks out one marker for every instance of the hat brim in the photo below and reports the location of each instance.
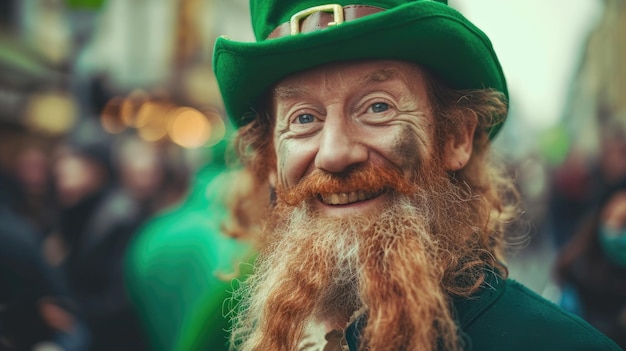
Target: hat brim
(426, 32)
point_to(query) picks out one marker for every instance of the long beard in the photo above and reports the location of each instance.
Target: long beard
(323, 269)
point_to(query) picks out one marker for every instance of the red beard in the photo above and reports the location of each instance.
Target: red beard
(322, 269)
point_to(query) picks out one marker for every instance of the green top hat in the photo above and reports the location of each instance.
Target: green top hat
(293, 36)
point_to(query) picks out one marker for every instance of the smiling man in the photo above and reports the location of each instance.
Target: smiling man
(371, 121)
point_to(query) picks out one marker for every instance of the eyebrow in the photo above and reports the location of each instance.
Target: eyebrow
(289, 92)
(379, 76)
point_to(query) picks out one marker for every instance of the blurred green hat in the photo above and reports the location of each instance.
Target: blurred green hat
(293, 36)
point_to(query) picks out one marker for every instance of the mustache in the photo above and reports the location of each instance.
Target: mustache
(368, 178)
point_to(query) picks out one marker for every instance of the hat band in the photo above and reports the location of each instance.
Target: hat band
(320, 17)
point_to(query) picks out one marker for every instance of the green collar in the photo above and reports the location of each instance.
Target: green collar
(465, 310)
(468, 309)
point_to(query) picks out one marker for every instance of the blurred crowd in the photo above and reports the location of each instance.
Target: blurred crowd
(99, 223)
(69, 208)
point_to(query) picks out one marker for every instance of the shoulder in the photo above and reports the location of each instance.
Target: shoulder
(518, 319)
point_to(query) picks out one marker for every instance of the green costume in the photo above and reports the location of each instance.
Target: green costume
(179, 271)
(504, 315)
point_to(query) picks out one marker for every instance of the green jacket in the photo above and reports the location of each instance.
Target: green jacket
(179, 271)
(506, 316)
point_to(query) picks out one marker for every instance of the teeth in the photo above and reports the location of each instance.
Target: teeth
(361, 195)
(353, 197)
(347, 198)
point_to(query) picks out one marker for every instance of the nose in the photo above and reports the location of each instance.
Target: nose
(339, 148)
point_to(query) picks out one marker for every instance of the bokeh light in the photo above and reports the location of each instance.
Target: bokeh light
(129, 110)
(155, 127)
(189, 128)
(110, 116)
(218, 128)
(148, 110)
(52, 113)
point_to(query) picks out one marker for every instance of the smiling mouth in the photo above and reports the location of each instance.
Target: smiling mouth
(348, 198)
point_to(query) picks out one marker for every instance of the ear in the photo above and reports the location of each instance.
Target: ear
(272, 178)
(459, 147)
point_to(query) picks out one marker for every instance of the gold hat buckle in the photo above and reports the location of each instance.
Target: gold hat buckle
(336, 9)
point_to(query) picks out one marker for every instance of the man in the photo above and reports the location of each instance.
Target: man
(371, 124)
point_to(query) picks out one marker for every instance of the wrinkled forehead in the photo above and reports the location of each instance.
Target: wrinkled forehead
(354, 73)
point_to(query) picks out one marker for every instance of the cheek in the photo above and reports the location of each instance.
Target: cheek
(292, 163)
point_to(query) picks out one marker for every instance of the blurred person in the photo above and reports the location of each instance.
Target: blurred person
(32, 169)
(146, 174)
(372, 123)
(82, 179)
(35, 304)
(591, 268)
(180, 265)
(580, 181)
(612, 155)
(98, 219)
(32, 195)
(570, 198)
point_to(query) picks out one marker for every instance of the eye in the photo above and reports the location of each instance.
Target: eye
(379, 107)
(305, 118)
